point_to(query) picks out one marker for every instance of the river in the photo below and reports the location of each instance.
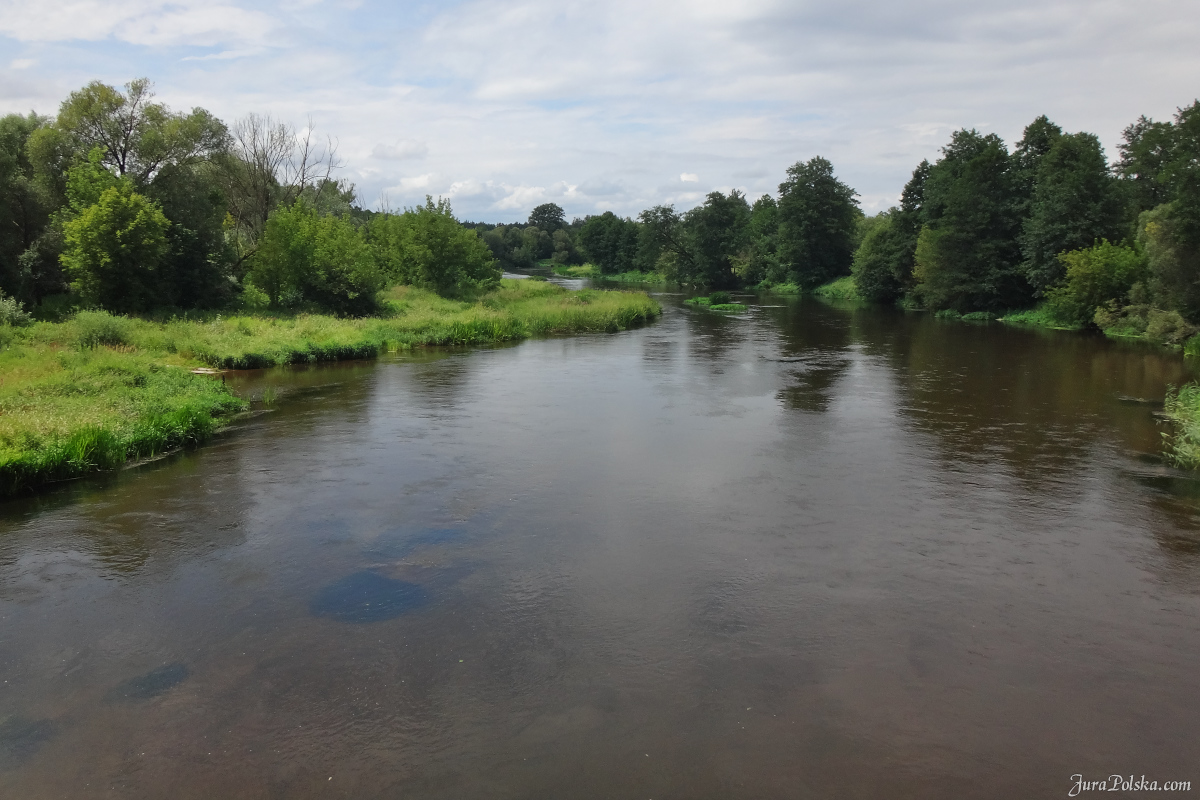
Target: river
(804, 551)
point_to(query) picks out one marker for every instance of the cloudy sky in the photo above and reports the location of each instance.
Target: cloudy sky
(503, 104)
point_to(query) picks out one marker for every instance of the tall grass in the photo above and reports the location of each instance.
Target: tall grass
(1182, 407)
(841, 289)
(94, 391)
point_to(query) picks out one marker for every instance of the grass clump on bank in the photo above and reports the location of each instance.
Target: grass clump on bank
(1182, 407)
(843, 288)
(717, 301)
(97, 390)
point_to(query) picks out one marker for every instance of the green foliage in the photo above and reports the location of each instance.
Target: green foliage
(1074, 204)
(1095, 276)
(818, 217)
(113, 249)
(884, 259)
(966, 255)
(305, 259)
(610, 242)
(24, 211)
(137, 137)
(548, 217)
(844, 288)
(760, 260)
(1173, 261)
(11, 312)
(427, 247)
(715, 234)
(1140, 320)
(1182, 407)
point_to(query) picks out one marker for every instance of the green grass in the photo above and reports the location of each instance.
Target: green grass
(1042, 316)
(581, 271)
(786, 289)
(637, 278)
(717, 301)
(1182, 407)
(633, 277)
(841, 289)
(97, 390)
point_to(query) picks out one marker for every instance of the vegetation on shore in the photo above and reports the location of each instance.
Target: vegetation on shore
(1182, 407)
(94, 391)
(717, 301)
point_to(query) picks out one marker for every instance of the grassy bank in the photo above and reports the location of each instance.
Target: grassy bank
(95, 391)
(1182, 407)
(841, 289)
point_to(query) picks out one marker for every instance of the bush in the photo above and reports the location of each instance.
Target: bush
(1095, 276)
(113, 249)
(308, 259)
(99, 328)
(11, 312)
(426, 247)
(718, 298)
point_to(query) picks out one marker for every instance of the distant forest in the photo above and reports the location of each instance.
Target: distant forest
(120, 203)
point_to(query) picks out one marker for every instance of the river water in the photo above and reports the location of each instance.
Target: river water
(804, 551)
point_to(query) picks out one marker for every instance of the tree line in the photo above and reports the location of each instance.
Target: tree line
(120, 203)
(983, 228)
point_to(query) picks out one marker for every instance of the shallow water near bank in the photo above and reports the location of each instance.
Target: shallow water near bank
(801, 551)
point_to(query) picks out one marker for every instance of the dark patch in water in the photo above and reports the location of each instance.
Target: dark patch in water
(20, 738)
(402, 542)
(148, 686)
(367, 597)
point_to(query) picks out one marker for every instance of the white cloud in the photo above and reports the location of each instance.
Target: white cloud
(144, 22)
(621, 96)
(401, 150)
(21, 63)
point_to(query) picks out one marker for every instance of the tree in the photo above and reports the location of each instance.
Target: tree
(874, 267)
(818, 215)
(760, 259)
(137, 137)
(1095, 276)
(308, 259)
(967, 257)
(1173, 261)
(427, 247)
(717, 234)
(610, 242)
(268, 166)
(1038, 139)
(1145, 149)
(24, 212)
(663, 244)
(548, 217)
(113, 249)
(1075, 204)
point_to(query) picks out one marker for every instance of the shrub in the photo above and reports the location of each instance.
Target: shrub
(308, 259)
(1095, 276)
(112, 249)
(99, 328)
(428, 248)
(11, 312)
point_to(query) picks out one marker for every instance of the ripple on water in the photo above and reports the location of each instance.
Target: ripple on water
(152, 684)
(367, 597)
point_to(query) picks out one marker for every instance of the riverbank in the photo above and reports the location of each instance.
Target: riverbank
(96, 391)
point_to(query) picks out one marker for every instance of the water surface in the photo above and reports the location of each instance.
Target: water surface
(803, 551)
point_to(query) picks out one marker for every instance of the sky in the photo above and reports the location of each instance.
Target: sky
(501, 105)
